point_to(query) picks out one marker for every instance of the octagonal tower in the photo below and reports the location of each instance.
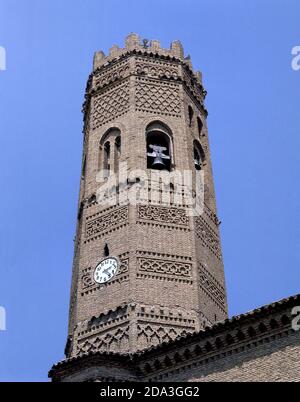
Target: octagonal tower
(144, 119)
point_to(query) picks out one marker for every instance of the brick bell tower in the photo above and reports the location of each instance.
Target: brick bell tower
(144, 272)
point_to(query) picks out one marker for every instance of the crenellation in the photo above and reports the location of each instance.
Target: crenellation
(99, 59)
(114, 52)
(177, 49)
(155, 45)
(198, 76)
(188, 62)
(132, 42)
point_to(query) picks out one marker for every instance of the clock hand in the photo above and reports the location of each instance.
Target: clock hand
(107, 270)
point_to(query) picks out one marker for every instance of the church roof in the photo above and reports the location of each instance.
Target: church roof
(262, 317)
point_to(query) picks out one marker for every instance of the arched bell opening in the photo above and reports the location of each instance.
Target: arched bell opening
(110, 151)
(199, 156)
(159, 147)
(191, 115)
(200, 126)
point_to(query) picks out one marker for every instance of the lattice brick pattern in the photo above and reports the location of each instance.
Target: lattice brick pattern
(112, 341)
(161, 98)
(155, 334)
(110, 104)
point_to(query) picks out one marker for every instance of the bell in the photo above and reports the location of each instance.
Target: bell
(197, 164)
(159, 157)
(158, 163)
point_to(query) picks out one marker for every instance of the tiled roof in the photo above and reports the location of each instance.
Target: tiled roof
(228, 323)
(125, 358)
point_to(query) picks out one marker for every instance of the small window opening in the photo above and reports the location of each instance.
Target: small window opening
(191, 115)
(106, 250)
(83, 168)
(117, 153)
(107, 158)
(200, 126)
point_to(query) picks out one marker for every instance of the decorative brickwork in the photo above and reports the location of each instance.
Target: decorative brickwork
(104, 333)
(159, 98)
(157, 69)
(149, 334)
(212, 287)
(153, 213)
(112, 341)
(158, 324)
(164, 267)
(166, 316)
(198, 93)
(100, 223)
(170, 268)
(148, 289)
(109, 76)
(110, 104)
(214, 221)
(251, 347)
(259, 346)
(208, 236)
(157, 316)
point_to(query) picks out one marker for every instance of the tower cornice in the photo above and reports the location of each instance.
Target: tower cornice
(116, 67)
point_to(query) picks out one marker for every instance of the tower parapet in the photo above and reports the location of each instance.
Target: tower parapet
(145, 59)
(134, 43)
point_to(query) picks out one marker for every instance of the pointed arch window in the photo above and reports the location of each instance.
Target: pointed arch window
(191, 115)
(200, 126)
(199, 156)
(159, 147)
(110, 151)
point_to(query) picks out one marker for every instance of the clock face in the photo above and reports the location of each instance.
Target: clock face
(106, 270)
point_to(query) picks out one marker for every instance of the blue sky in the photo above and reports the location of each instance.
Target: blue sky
(243, 49)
